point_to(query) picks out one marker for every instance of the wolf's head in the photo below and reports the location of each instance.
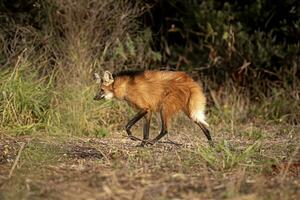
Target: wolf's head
(105, 86)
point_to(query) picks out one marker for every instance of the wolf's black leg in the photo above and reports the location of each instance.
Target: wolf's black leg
(206, 133)
(146, 129)
(134, 120)
(164, 128)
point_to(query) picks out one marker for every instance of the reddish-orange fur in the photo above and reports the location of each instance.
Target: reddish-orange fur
(160, 91)
(156, 90)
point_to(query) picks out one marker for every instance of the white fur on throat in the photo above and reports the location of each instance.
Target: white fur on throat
(109, 95)
(199, 116)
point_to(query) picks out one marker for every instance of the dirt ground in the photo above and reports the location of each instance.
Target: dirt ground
(241, 166)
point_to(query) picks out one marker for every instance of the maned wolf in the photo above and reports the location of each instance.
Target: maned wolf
(166, 92)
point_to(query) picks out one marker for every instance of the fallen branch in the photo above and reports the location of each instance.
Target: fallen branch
(16, 160)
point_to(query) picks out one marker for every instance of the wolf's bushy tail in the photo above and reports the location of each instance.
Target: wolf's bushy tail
(197, 104)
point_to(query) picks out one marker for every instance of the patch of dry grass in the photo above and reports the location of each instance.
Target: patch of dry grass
(240, 167)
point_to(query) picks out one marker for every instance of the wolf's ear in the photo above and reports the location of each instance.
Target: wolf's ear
(97, 78)
(107, 78)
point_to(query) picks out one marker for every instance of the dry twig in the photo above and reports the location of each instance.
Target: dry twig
(16, 160)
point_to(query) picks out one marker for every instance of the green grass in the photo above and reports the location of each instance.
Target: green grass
(224, 156)
(30, 103)
(25, 100)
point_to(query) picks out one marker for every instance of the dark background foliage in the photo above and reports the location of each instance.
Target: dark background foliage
(243, 40)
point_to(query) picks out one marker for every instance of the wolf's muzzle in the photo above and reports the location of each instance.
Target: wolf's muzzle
(99, 97)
